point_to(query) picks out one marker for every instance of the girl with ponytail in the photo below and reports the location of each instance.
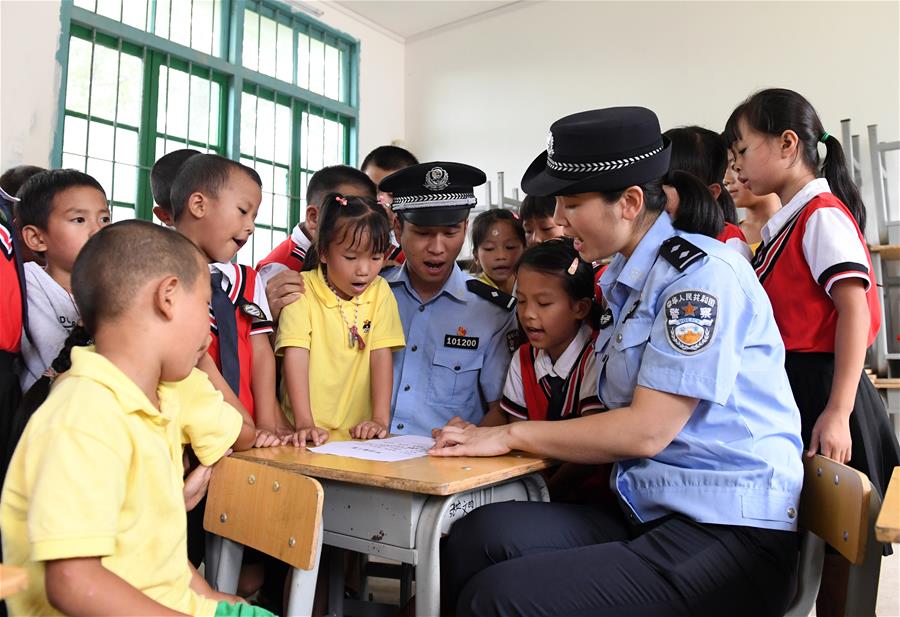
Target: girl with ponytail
(816, 268)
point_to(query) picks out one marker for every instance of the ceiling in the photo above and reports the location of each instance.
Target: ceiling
(411, 18)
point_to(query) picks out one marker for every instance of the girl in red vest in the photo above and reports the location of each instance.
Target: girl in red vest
(553, 376)
(816, 268)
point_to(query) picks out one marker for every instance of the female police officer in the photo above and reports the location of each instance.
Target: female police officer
(701, 420)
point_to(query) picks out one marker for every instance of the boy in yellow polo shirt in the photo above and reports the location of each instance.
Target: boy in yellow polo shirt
(92, 506)
(340, 334)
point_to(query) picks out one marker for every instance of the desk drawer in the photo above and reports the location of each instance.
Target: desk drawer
(373, 514)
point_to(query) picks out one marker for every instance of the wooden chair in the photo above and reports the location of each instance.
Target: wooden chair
(837, 507)
(271, 510)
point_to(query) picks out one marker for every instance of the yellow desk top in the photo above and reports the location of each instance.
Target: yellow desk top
(887, 527)
(427, 475)
(12, 580)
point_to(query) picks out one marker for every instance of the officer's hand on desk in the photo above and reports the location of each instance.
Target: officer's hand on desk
(454, 421)
(302, 435)
(282, 289)
(369, 430)
(471, 441)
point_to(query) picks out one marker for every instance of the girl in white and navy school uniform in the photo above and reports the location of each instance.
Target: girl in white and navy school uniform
(815, 266)
(553, 376)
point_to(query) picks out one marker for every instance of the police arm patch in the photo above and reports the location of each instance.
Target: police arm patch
(691, 320)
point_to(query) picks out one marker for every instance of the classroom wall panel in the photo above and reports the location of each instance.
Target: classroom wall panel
(29, 74)
(486, 92)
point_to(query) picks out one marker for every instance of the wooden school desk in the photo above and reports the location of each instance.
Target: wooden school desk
(399, 510)
(887, 527)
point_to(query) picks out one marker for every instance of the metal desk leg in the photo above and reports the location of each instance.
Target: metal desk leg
(223, 563)
(428, 537)
(336, 581)
(213, 553)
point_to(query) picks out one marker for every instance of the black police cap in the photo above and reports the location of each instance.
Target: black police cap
(435, 194)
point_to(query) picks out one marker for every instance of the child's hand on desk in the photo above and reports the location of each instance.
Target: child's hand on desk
(298, 439)
(369, 430)
(454, 421)
(266, 439)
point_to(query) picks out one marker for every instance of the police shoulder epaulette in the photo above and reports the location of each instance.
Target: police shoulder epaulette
(491, 294)
(680, 253)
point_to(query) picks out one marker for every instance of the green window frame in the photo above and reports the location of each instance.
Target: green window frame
(135, 86)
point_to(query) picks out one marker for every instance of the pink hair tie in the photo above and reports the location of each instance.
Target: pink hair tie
(341, 200)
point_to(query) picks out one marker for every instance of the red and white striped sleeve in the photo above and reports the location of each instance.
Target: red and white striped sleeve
(833, 249)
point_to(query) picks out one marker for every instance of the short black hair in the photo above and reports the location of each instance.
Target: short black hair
(534, 207)
(206, 173)
(14, 177)
(120, 258)
(702, 153)
(37, 194)
(391, 158)
(328, 179)
(483, 222)
(556, 256)
(163, 173)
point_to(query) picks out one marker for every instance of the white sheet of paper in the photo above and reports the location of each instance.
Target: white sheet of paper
(387, 450)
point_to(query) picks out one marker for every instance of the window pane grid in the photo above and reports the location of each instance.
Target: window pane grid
(126, 104)
(95, 140)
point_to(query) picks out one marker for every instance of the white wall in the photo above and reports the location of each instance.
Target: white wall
(30, 75)
(29, 80)
(381, 81)
(486, 93)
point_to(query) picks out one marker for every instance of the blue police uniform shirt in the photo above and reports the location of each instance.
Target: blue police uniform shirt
(458, 349)
(705, 332)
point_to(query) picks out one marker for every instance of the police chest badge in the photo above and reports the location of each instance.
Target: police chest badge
(691, 320)
(512, 340)
(437, 179)
(606, 319)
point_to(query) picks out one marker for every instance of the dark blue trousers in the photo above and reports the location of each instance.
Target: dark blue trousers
(536, 559)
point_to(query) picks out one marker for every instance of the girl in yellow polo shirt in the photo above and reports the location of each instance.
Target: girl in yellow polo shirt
(338, 337)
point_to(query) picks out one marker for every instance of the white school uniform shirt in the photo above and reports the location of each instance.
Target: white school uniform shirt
(829, 239)
(514, 402)
(52, 314)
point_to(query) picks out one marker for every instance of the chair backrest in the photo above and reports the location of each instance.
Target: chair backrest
(272, 510)
(834, 505)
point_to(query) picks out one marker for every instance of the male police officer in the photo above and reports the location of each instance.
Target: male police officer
(460, 332)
